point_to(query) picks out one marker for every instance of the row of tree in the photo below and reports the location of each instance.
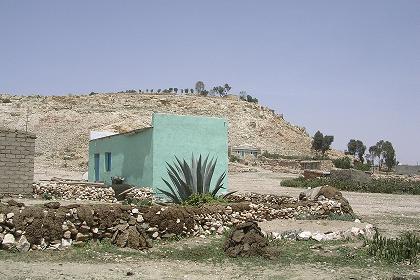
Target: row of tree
(222, 91)
(200, 88)
(383, 151)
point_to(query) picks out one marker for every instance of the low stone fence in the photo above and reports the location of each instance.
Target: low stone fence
(76, 190)
(54, 226)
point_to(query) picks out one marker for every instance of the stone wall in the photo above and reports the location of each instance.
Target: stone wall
(17, 150)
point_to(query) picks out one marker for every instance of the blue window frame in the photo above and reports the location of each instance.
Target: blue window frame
(108, 161)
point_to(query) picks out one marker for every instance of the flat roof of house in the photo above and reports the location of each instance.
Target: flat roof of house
(245, 147)
(135, 131)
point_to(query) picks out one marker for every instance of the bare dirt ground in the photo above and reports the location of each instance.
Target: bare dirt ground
(390, 213)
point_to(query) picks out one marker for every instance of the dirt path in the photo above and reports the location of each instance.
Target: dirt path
(176, 270)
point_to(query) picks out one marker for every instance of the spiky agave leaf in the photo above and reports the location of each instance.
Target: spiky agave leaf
(219, 184)
(194, 172)
(209, 174)
(199, 176)
(183, 190)
(186, 171)
(189, 176)
(171, 194)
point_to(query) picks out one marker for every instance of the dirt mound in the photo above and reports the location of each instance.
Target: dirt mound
(246, 240)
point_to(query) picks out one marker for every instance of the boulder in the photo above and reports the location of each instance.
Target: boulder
(9, 242)
(23, 245)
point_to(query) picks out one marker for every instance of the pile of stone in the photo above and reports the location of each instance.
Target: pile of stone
(74, 190)
(326, 193)
(246, 240)
(353, 233)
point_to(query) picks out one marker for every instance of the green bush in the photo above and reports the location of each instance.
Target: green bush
(362, 166)
(47, 196)
(137, 202)
(394, 186)
(404, 248)
(233, 158)
(266, 154)
(343, 163)
(200, 199)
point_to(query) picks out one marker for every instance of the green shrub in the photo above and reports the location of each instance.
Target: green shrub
(233, 158)
(138, 202)
(266, 154)
(362, 166)
(404, 248)
(395, 186)
(47, 196)
(343, 163)
(199, 199)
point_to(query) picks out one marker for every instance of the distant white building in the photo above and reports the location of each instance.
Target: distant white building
(243, 151)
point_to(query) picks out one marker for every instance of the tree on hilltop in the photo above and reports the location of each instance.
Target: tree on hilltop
(388, 154)
(322, 143)
(199, 87)
(356, 148)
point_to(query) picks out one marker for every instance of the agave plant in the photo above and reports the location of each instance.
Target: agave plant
(188, 180)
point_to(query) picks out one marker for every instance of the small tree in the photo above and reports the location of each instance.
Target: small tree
(322, 143)
(388, 154)
(356, 148)
(191, 90)
(219, 90)
(251, 99)
(351, 147)
(176, 90)
(317, 141)
(326, 143)
(159, 90)
(199, 87)
(227, 88)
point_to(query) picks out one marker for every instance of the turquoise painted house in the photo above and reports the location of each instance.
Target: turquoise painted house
(140, 155)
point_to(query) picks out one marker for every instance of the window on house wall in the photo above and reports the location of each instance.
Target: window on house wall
(108, 161)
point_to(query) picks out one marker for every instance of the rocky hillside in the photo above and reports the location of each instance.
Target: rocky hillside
(63, 123)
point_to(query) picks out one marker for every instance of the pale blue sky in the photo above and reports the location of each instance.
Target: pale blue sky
(347, 68)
